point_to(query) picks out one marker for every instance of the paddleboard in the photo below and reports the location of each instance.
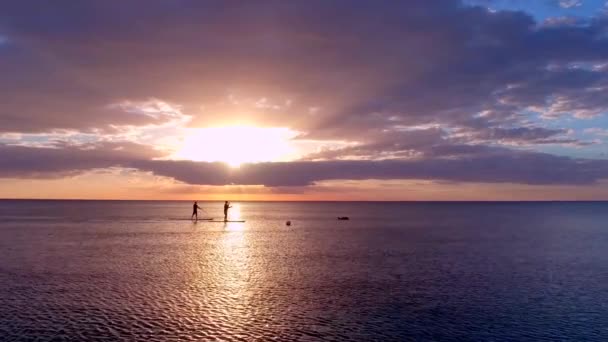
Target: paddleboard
(206, 219)
(222, 221)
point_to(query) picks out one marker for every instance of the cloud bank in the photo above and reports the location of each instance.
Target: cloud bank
(419, 89)
(495, 167)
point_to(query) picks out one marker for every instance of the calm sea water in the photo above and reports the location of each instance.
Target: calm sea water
(136, 271)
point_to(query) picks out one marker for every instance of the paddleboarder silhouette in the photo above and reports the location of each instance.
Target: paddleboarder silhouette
(226, 207)
(195, 209)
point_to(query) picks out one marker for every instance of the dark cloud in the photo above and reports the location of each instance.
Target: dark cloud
(361, 62)
(365, 71)
(503, 167)
(59, 161)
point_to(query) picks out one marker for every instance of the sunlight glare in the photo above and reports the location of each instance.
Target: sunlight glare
(234, 214)
(235, 145)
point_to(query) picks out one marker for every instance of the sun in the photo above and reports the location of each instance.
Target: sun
(236, 145)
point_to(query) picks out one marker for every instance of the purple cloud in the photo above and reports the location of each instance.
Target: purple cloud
(59, 161)
(370, 72)
(423, 62)
(492, 166)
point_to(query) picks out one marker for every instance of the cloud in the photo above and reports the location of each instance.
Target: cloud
(424, 62)
(526, 135)
(497, 166)
(153, 108)
(602, 132)
(60, 161)
(570, 3)
(521, 168)
(414, 143)
(437, 87)
(562, 21)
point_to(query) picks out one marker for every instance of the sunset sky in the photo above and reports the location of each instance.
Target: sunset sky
(304, 100)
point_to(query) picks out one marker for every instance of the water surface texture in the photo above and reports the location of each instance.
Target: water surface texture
(136, 271)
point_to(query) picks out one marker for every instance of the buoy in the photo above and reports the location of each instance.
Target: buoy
(288, 223)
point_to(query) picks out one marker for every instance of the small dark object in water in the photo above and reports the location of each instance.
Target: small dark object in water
(288, 223)
(343, 218)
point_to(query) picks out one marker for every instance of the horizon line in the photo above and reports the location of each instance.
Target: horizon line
(305, 200)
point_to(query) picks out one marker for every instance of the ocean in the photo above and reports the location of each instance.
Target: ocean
(141, 271)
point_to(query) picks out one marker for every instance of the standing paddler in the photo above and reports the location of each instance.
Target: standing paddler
(195, 209)
(226, 207)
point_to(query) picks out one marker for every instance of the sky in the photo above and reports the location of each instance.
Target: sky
(304, 100)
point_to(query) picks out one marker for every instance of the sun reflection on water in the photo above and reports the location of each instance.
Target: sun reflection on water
(228, 283)
(234, 214)
(231, 278)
